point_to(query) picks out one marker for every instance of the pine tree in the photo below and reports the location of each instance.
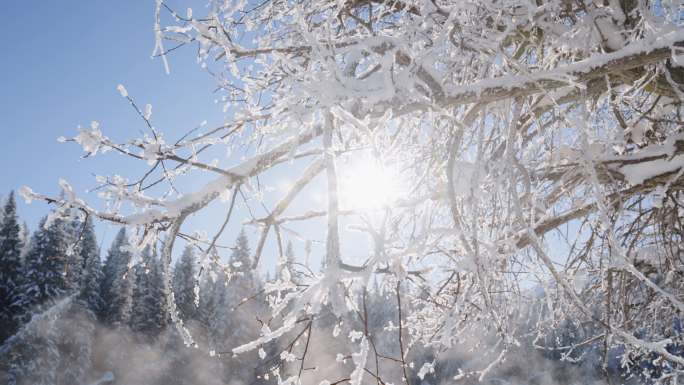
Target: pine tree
(24, 234)
(53, 348)
(73, 336)
(236, 319)
(34, 361)
(211, 296)
(214, 312)
(289, 253)
(91, 280)
(11, 246)
(45, 271)
(117, 283)
(229, 293)
(289, 264)
(184, 285)
(150, 314)
(32, 355)
(241, 259)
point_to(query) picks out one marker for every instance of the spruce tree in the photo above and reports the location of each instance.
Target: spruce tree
(236, 319)
(24, 235)
(117, 282)
(32, 356)
(149, 315)
(11, 246)
(227, 329)
(210, 291)
(91, 279)
(289, 264)
(74, 336)
(184, 284)
(45, 271)
(289, 253)
(34, 359)
(215, 312)
(241, 259)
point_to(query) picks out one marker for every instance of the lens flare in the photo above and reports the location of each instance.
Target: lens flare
(368, 185)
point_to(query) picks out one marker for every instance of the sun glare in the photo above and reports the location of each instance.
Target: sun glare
(366, 184)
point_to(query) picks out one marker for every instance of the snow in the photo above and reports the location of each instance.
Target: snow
(28, 194)
(148, 112)
(427, 368)
(465, 177)
(642, 167)
(266, 337)
(153, 149)
(90, 139)
(122, 90)
(106, 377)
(565, 73)
(638, 173)
(360, 359)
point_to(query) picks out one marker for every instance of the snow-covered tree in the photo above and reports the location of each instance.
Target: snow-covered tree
(33, 361)
(237, 313)
(117, 282)
(25, 235)
(31, 356)
(149, 313)
(208, 301)
(91, 282)
(288, 263)
(11, 246)
(45, 271)
(184, 278)
(490, 152)
(241, 258)
(73, 337)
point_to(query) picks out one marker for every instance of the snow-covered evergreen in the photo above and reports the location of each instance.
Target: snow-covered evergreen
(11, 244)
(184, 277)
(32, 355)
(91, 280)
(46, 272)
(241, 258)
(117, 282)
(35, 359)
(74, 337)
(149, 314)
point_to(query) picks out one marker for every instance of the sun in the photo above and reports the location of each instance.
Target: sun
(368, 184)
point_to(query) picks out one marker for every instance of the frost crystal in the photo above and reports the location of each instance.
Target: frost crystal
(27, 194)
(360, 362)
(427, 368)
(148, 111)
(122, 90)
(90, 139)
